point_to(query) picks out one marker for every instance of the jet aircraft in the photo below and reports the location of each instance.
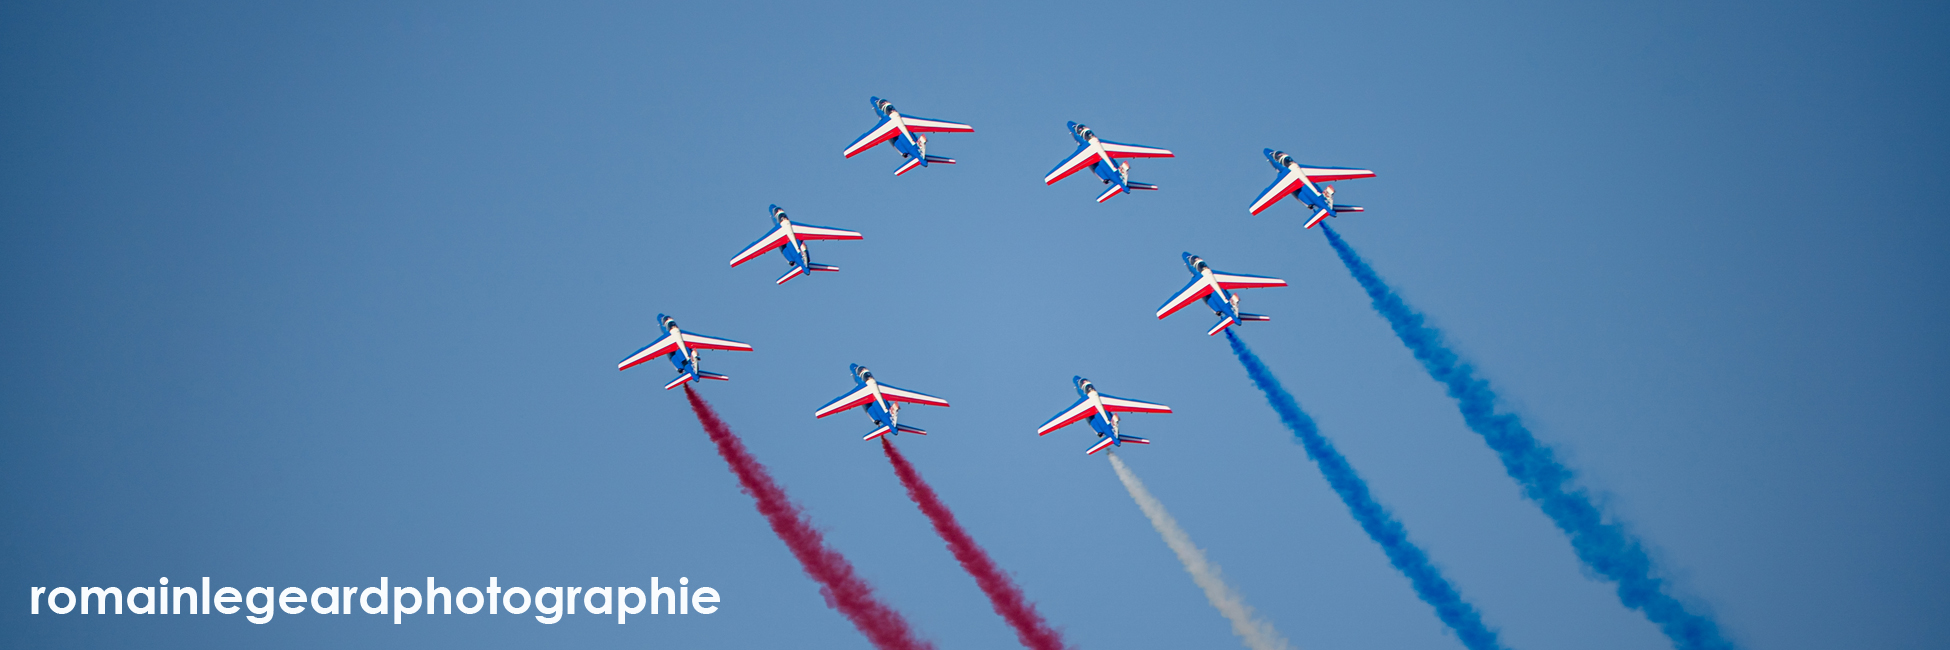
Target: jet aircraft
(1100, 156)
(907, 134)
(790, 238)
(1218, 291)
(1101, 410)
(681, 348)
(1299, 181)
(882, 402)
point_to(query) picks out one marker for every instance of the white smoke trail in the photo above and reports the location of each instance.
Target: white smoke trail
(1257, 634)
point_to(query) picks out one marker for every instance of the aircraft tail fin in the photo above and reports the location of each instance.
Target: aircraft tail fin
(796, 271)
(1106, 441)
(1255, 317)
(1223, 324)
(883, 430)
(679, 381)
(821, 267)
(914, 430)
(1318, 215)
(941, 159)
(1142, 186)
(909, 166)
(1134, 439)
(1349, 208)
(1114, 189)
(712, 375)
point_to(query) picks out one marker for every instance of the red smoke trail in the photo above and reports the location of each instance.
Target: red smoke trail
(1031, 629)
(843, 590)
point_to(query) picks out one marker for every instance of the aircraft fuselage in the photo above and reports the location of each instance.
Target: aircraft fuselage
(1106, 167)
(1220, 300)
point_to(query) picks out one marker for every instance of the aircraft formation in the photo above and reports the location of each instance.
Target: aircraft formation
(1110, 161)
(1603, 547)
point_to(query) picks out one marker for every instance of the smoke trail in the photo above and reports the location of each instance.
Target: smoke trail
(843, 590)
(1003, 593)
(1257, 634)
(1605, 547)
(1373, 517)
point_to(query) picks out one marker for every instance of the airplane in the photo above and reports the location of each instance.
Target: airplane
(1102, 412)
(907, 134)
(882, 402)
(1217, 290)
(681, 348)
(1100, 156)
(790, 238)
(1299, 180)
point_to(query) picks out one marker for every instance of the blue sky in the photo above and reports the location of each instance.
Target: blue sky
(307, 296)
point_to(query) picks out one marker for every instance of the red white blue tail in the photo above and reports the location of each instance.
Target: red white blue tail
(1322, 214)
(1106, 441)
(1134, 439)
(914, 430)
(883, 430)
(800, 269)
(909, 166)
(1318, 215)
(1223, 324)
(682, 379)
(1113, 191)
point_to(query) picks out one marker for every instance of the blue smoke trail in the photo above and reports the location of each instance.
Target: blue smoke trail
(1603, 546)
(1373, 517)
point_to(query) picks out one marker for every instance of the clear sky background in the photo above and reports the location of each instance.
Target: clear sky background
(309, 296)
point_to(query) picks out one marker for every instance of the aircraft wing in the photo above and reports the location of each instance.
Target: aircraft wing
(708, 343)
(1194, 291)
(1121, 150)
(660, 348)
(1077, 412)
(935, 126)
(1237, 281)
(905, 395)
(882, 132)
(1084, 157)
(858, 397)
(809, 231)
(1286, 184)
(1329, 174)
(1131, 405)
(765, 244)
